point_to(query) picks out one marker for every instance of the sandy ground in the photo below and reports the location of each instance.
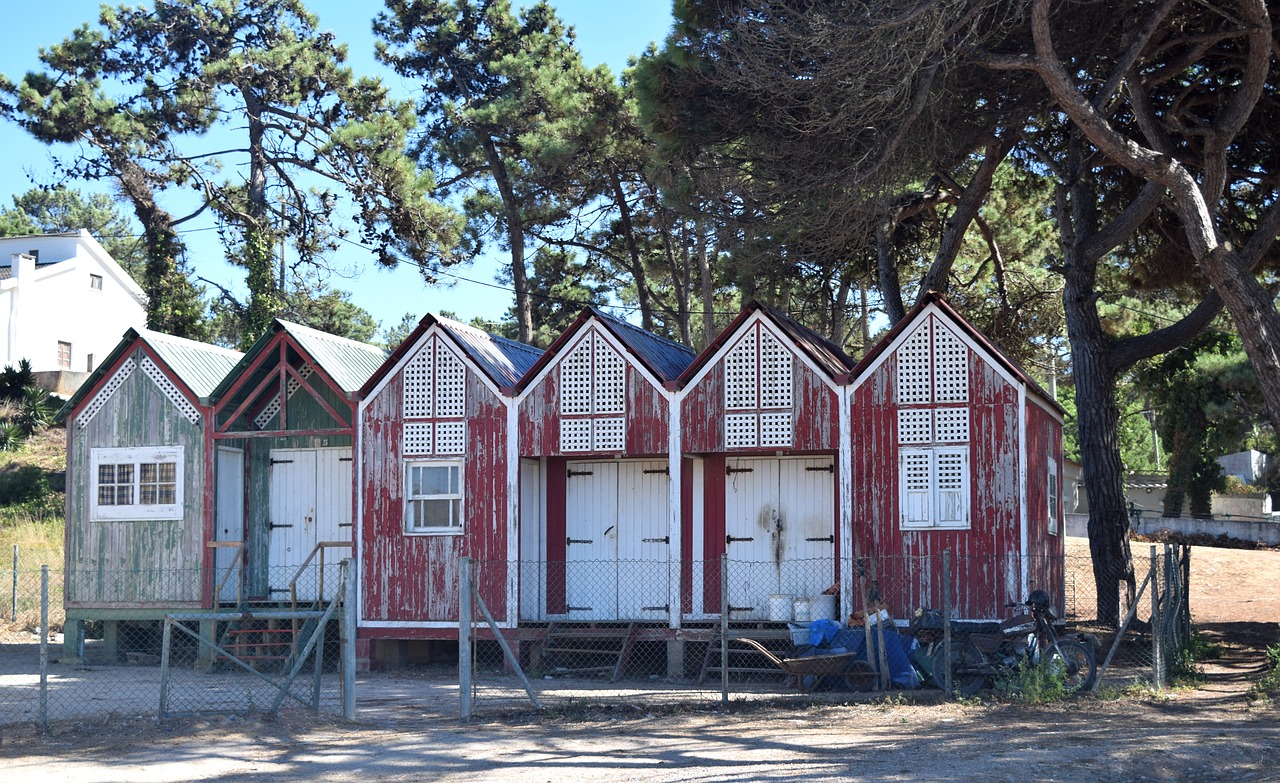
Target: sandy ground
(408, 731)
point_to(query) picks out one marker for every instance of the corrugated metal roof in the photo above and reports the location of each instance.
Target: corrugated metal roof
(824, 352)
(200, 366)
(348, 362)
(504, 361)
(665, 358)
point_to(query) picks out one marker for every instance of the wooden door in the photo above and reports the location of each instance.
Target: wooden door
(229, 522)
(591, 545)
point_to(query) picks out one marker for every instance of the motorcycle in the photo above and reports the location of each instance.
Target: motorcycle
(1026, 639)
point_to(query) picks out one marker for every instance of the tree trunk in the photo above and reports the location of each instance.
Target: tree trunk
(515, 238)
(708, 287)
(633, 252)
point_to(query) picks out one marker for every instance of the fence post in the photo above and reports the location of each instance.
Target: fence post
(165, 643)
(44, 646)
(347, 637)
(1186, 595)
(946, 622)
(14, 605)
(1157, 670)
(724, 628)
(465, 674)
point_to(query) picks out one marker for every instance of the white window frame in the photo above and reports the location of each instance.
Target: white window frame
(411, 529)
(936, 495)
(95, 282)
(1053, 492)
(136, 457)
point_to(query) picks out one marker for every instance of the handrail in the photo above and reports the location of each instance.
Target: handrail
(320, 547)
(239, 556)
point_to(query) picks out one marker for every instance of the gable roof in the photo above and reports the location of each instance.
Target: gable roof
(995, 352)
(664, 358)
(91, 247)
(199, 366)
(348, 362)
(824, 353)
(504, 361)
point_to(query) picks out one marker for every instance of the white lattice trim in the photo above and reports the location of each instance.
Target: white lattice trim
(915, 425)
(450, 383)
(575, 434)
(950, 366)
(741, 430)
(775, 429)
(775, 372)
(451, 437)
(914, 383)
(740, 375)
(610, 394)
(609, 434)
(575, 380)
(417, 438)
(273, 407)
(104, 394)
(170, 390)
(417, 382)
(951, 425)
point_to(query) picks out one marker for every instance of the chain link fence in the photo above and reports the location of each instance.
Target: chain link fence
(125, 657)
(751, 630)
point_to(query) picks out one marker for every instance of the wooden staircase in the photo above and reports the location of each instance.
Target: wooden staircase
(743, 659)
(265, 643)
(587, 649)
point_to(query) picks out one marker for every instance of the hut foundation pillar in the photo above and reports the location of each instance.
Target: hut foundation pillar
(675, 658)
(72, 642)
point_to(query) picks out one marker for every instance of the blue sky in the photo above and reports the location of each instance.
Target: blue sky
(608, 32)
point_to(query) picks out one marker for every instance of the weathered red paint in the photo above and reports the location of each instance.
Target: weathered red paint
(414, 578)
(557, 494)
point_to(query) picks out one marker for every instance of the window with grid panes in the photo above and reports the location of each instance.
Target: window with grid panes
(1054, 494)
(933, 430)
(433, 496)
(758, 392)
(136, 483)
(593, 397)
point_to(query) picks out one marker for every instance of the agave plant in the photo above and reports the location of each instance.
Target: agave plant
(11, 436)
(35, 412)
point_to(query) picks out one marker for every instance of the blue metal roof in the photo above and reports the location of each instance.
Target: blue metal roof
(665, 358)
(504, 361)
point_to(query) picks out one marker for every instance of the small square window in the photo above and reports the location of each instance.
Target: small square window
(433, 496)
(137, 483)
(95, 282)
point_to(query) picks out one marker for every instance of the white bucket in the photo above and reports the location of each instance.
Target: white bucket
(822, 607)
(780, 607)
(801, 610)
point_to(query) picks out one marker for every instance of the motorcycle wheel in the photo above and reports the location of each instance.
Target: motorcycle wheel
(1076, 664)
(968, 668)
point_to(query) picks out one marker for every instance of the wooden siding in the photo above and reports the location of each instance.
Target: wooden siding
(414, 578)
(985, 557)
(134, 563)
(1044, 443)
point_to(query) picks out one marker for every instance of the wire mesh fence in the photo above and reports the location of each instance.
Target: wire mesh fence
(635, 632)
(126, 652)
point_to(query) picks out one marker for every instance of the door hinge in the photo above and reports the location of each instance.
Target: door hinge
(730, 539)
(663, 608)
(731, 470)
(273, 527)
(822, 469)
(569, 541)
(651, 471)
(344, 524)
(572, 473)
(281, 462)
(663, 540)
(344, 459)
(742, 609)
(831, 539)
(578, 608)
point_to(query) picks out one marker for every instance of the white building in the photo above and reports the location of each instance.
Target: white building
(64, 302)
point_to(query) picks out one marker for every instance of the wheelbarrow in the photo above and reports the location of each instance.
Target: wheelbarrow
(808, 671)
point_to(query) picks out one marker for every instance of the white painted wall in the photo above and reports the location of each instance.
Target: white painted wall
(44, 305)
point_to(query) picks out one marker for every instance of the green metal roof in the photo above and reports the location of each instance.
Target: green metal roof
(200, 366)
(348, 362)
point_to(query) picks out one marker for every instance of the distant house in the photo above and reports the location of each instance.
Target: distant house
(64, 302)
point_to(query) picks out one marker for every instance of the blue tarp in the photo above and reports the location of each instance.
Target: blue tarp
(829, 637)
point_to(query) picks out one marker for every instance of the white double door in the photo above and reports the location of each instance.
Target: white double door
(779, 530)
(310, 504)
(616, 550)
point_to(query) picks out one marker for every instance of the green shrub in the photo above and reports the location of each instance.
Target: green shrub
(26, 486)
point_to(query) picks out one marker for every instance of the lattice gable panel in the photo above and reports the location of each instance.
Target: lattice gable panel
(914, 381)
(450, 382)
(950, 365)
(775, 372)
(417, 381)
(109, 388)
(575, 379)
(264, 417)
(951, 425)
(610, 378)
(915, 425)
(170, 390)
(741, 374)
